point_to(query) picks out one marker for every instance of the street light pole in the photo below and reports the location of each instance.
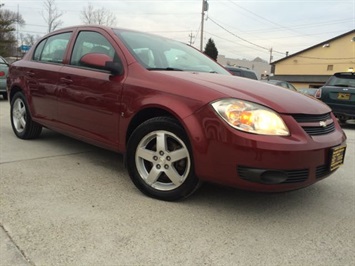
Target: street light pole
(204, 8)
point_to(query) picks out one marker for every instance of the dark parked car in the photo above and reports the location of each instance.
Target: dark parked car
(242, 72)
(4, 66)
(339, 93)
(177, 116)
(281, 83)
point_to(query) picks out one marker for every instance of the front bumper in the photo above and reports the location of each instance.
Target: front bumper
(263, 163)
(2, 85)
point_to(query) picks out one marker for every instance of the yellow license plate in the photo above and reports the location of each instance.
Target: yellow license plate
(343, 96)
(337, 156)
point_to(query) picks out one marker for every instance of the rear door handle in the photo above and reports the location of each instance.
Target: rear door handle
(66, 80)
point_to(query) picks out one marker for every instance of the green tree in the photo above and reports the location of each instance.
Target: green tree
(8, 20)
(211, 49)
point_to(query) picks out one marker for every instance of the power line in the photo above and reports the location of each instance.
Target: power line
(245, 40)
(265, 19)
(246, 46)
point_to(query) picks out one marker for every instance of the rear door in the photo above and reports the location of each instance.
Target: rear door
(42, 75)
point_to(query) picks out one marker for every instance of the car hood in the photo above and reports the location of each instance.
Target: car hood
(209, 87)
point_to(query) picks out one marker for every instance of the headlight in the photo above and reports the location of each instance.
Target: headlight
(251, 117)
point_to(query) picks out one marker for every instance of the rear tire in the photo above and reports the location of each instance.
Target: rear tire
(159, 160)
(21, 121)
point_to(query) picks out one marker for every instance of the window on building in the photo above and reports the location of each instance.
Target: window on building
(330, 68)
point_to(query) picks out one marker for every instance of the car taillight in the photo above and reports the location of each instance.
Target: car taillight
(318, 93)
(2, 73)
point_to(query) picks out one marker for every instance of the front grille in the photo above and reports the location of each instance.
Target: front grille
(243, 171)
(301, 118)
(322, 171)
(311, 124)
(315, 131)
(296, 176)
(255, 174)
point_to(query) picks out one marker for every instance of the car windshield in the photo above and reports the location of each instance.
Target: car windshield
(342, 81)
(158, 53)
(2, 61)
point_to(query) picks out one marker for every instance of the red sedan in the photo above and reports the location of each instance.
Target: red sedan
(179, 117)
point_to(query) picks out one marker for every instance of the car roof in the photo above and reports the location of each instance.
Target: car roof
(274, 81)
(344, 74)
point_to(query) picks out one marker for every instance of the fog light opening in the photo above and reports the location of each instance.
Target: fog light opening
(273, 177)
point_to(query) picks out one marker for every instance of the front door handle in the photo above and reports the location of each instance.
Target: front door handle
(30, 73)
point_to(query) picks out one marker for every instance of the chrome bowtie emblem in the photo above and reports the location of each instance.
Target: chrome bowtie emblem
(322, 123)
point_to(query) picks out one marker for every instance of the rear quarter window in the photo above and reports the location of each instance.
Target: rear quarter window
(38, 51)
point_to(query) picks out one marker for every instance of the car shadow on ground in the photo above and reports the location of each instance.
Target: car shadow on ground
(211, 194)
(214, 197)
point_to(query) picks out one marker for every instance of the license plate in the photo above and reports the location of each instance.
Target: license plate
(343, 96)
(337, 156)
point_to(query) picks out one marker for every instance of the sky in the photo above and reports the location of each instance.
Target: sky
(243, 29)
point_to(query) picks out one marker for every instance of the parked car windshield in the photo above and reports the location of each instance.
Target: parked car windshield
(3, 61)
(158, 53)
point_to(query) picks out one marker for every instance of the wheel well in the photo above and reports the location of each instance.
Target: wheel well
(144, 115)
(13, 91)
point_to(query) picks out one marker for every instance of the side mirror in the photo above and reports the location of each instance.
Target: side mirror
(114, 67)
(101, 61)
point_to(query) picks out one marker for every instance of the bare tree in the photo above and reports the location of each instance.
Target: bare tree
(29, 39)
(99, 16)
(87, 14)
(51, 15)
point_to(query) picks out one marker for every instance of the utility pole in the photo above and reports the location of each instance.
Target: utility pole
(17, 32)
(191, 36)
(271, 57)
(204, 9)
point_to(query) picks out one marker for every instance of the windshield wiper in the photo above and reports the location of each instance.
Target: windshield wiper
(165, 68)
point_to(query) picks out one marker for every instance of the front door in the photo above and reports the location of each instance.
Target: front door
(89, 98)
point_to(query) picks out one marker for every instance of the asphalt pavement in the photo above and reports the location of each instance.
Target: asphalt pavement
(64, 202)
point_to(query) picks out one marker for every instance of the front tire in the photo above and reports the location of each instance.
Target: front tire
(159, 160)
(21, 121)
